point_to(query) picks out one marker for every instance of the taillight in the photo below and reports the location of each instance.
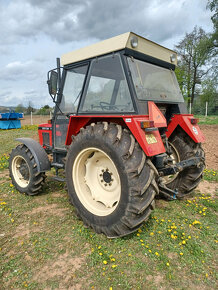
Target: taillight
(194, 121)
(147, 124)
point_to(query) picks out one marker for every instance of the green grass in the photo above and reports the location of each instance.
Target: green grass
(211, 175)
(209, 120)
(43, 245)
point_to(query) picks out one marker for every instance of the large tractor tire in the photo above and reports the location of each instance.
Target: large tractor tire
(183, 147)
(110, 181)
(23, 171)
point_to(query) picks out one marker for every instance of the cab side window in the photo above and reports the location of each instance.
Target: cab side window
(107, 89)
(72, 91)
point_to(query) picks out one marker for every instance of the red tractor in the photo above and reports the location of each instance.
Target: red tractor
(120, 131)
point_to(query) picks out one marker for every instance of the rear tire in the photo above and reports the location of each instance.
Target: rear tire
(23, 171)
(189, 178)
(110, 182)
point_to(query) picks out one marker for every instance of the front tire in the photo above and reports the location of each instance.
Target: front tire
(110, 182)
(23, 171)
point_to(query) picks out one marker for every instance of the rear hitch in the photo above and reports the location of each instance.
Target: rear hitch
(180, 166)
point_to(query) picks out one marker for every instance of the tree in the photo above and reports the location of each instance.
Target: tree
(30, 108)
(20, 108)
(195, 52)
(213, 6)
(44, 110)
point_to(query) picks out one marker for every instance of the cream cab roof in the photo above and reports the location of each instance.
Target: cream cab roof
(117, 43)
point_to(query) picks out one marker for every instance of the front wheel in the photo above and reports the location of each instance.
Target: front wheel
(23, 171)
(110, 181)
(183, 147)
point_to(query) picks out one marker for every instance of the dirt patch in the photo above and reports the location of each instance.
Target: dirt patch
(24, 230)
(208, 187)
(160, 203)
(210, 146)
(36, 120)
(4, 176)
(172, 256)
(48, 209)
(63, 268)
(157, 279)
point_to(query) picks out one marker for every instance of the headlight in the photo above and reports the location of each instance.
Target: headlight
(134, 41)
(173, 57)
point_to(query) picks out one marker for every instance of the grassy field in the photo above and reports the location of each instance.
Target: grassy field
(43, 245)
(209, 120)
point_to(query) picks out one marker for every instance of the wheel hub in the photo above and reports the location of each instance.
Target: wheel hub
(97, 182)
(21, 171)
(24, 171)
(106, 177)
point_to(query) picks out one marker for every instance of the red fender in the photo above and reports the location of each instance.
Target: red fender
(151, 143)
(184, 121)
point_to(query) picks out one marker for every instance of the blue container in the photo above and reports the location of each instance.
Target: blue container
(10, 120)
(11, 116)
(10, 124)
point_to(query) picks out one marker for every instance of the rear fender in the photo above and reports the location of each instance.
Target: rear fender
(151, 143)
(38, 152)
(184, 121)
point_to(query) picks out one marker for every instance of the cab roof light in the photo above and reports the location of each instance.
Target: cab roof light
(194, 121)
(147, 124)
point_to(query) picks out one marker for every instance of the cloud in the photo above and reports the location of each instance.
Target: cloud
(17, 70)
(67, 21)
(34, 33)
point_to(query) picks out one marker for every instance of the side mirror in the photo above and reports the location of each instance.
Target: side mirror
(53, 83)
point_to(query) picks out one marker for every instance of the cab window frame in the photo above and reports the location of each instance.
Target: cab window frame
(87, 82)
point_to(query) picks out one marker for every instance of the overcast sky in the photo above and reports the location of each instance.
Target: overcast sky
(34, 32)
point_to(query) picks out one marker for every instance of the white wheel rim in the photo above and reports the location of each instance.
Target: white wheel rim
(96, 181)
(175, 157)
(20, 171)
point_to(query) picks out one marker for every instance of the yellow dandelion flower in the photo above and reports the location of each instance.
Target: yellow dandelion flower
(114, 266)
(151, 234)
(196, 222)
(157, 254)
(100, 254)
(181, 254)
(105, 262)
(168, 264)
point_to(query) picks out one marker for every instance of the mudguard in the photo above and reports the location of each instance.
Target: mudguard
(184, 121)
(38, 152)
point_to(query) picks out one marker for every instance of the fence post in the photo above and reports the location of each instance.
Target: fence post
(190, 108)
(206, 109)
(31, 118)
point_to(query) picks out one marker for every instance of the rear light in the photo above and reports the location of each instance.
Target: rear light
(194, 121)
(147, 124)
